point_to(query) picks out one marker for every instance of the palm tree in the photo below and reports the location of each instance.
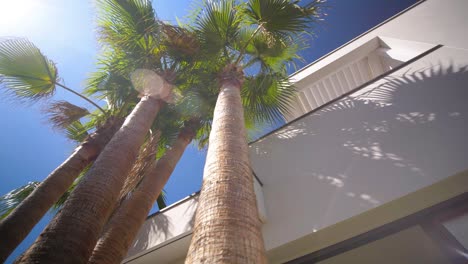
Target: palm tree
(124, 224)
(71, 235)
(256, 39)
(180, 45)
(11, 200)
(28, 75)
(129, 28)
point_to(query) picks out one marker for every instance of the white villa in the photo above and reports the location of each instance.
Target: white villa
(372, 165)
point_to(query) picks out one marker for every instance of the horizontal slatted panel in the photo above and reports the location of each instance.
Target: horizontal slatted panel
(333, 86)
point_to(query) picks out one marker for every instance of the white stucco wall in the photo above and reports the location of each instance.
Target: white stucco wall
(351, 157)
(389, 139)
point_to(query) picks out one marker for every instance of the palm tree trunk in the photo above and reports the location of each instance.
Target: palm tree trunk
(227, 226)
(71, 236)
(16, 226)
(124, 225)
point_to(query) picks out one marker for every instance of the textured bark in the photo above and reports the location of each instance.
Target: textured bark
(126, 221)
(71, 236)
(15, 227)
(227, 226)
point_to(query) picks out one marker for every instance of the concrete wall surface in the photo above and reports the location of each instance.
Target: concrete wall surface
(395, 136)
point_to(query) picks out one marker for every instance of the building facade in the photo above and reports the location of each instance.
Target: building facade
(372, 163)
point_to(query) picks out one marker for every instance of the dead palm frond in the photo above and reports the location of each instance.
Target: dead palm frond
(62, 114)
(180, 39)
(146, 159)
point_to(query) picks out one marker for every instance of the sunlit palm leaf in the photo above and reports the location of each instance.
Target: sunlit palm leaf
(272, 54)
(130, 26)
(264, 37)
(76, 132)
(9, 201)
(267, 97)
(217, 25)
(111, 82)
(283, 17)
(119, 21)
(24, 71)
(62, 114)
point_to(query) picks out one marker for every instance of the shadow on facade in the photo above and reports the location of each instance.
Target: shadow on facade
(405, 131)
(157, 224)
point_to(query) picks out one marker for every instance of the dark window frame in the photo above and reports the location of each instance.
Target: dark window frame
(430, 219)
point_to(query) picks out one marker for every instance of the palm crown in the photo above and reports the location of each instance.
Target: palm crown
(261, 38)
(253, 34)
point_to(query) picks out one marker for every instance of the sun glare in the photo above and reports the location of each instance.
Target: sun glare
(14, 13)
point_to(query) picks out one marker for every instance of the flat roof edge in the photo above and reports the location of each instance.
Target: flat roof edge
(357, 37)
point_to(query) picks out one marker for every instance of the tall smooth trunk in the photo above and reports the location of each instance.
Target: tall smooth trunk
(71, 236)
(16, 226)
(227, 225)
(126, 221)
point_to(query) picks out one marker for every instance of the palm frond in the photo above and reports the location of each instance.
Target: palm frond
(24, 71)
(267, 97)
(168, 123)
(62, 114)
(217, 25)
(283, 17)
(130, 26)
(162, 201)
(145, 160)
(272, 54)
(196, 103)
(179, 41)
(11, 200)
(76, 132)
(111, 82)
(119, 21)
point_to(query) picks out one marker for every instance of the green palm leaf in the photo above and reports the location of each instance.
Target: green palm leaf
(123, 23)
(131, 27)
(25, 71)
(111, 82)
(76, 132)
(217, 25)
(283, 17)
(9, 201)
(267, 97)
(271, 54)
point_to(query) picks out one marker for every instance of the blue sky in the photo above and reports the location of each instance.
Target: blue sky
(64, 31)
